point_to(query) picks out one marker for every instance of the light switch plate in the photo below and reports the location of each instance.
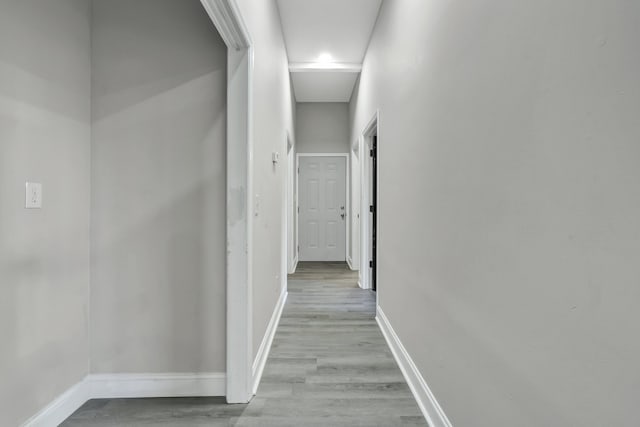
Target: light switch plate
(33, 195)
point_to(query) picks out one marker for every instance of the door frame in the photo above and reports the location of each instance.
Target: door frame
(226, 16)
(346, 195)
(291, 253)
(366, 138)
(353, 257)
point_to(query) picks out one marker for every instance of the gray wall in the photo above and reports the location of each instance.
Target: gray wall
(322, 127)
(356, 170)
(44, 254)
(158, 188)
(511, 130)
(272, 119)
(292, 216)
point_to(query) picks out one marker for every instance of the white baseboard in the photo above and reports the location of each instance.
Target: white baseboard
(59, 410)
(115, 386)
(427, 402)
(265, 346)
(295, 265)
(350, 263)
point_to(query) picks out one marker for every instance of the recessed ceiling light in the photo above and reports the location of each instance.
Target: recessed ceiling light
(325, 58)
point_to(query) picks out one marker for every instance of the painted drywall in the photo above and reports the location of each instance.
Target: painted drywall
(158, 188)
(354, 211)
(272, 116)
(44, 254)
(509, 209)
(322, 127)
(292, 230)
(356, 171)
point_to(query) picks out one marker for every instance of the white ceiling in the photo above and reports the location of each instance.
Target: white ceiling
(323, 86)
(340, 31)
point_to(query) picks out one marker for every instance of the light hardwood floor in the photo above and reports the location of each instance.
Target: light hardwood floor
(329, 366)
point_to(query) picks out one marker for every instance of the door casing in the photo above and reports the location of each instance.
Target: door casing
(366, 137)
(226, 16)
(292, 250)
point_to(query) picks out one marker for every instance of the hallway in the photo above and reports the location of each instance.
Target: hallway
(329, 365)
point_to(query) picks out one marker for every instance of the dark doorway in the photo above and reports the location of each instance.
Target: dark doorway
(373, 209)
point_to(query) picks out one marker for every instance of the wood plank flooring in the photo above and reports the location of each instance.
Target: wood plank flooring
(329, 366)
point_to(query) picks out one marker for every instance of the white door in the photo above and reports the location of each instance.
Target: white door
(322, 199)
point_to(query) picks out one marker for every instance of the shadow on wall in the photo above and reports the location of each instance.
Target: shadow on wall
(42, 78)
(147, 48)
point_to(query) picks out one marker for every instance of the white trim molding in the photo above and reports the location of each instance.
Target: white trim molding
(239, 227)
(292, 176)
(60, 408)
(321, 67)
(365, 140)
(295, 265)
(228, 21)
(116, 386)
(350, 262)
(427, 402)
(263, 352)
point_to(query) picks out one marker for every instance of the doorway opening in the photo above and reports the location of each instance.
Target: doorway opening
(373, 211)
(369, 220)
(322, 207)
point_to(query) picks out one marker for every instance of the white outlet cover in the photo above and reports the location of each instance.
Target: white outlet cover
(33, 195)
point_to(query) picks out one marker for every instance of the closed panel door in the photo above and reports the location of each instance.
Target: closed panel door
(322, 198)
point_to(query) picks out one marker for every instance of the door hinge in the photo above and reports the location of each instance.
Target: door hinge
(370, 264)
(371, 208)
(370, 153)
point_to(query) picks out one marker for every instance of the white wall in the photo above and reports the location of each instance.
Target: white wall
(44, 254)
(272, 116)
(158, 188)
(322, 127)
(509, 206)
